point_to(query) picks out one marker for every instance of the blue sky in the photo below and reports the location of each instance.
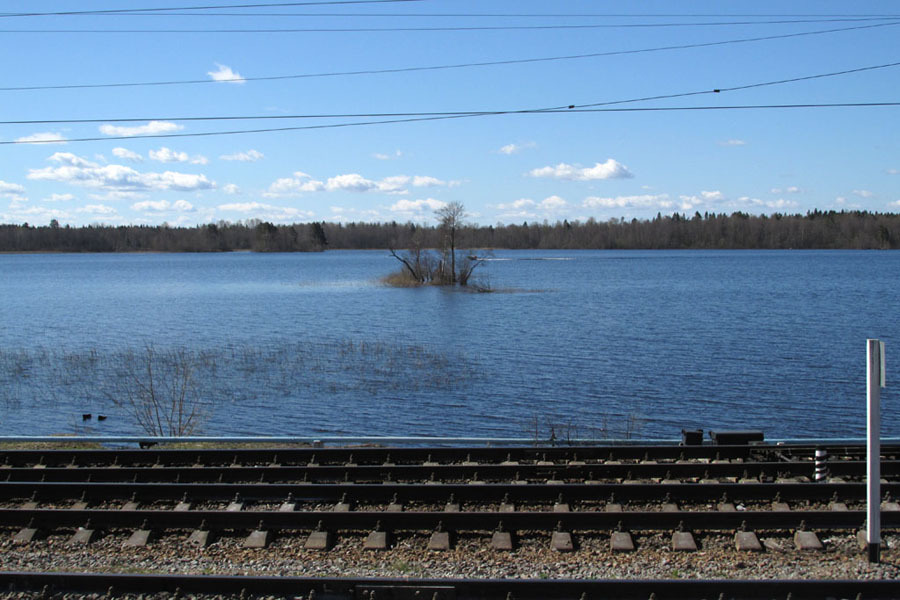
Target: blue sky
(504, 168)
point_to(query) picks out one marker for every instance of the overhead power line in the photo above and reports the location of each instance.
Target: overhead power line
(446, 67)
(453, 113)
(123, 11)
(445, 116)
(424, 28)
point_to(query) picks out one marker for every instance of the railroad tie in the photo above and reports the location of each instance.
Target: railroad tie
(84, 535)
(807, 541)
(502, 540)
(378, 539)
(669, 480)
(683, 541)
(28, 533)
(544, 462)
(836, 505)
(668, 505)
(236, 505)
(132, 504)
(506, 505)
(202, 536)
(778, 505)
(889, 504)
(258, 538)
(440, 539)
(184, 505)
(612, 505)
(746, 541)
(575, 462)
(725, 505)
(395, 505)
(630, 480)
(31, 503)
(82, 503)
(560, 505)
(561, 541)
(289, 505)
(140, 537)
(620, 540)
(342, 505)
(509, 462)
(319, 539)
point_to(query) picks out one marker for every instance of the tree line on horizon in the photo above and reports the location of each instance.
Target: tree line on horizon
(814, 230)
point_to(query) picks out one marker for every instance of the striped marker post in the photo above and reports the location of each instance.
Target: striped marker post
(874, 383)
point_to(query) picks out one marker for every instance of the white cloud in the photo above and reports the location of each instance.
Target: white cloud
(11, 190)
(353, 182)
(380, 156)
(791, 189)
(231, 189)
(267, 212)
(168, 155)
(78, 171)
(97, 209)
(733, 143)
(156, 206)
(711, 196)
(552, 203)
(394, 184)
(516, 148)
(611, 169)
(59, 198)
(153, 127)
(114, 195)
(43, 138)
(426, 181)
(299, 183)
(151, 205)
(248, 156)
(126, 154)
(224, 73)
(893, 171)
(641, 201)
(417, 207)
(520, 204)
(863, 193)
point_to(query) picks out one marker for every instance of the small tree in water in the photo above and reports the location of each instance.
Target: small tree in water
(159, 390)
(422, 266)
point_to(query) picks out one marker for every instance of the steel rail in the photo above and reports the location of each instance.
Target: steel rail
(323, 588)
(421, 473)
(50, 519)
(433, 493)
(374, 456)
(371, 456)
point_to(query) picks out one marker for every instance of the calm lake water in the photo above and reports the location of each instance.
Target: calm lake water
(635, 342)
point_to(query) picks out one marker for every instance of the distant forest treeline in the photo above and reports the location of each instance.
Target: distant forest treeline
(814, 230)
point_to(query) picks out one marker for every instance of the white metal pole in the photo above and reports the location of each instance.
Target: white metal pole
(874, 379)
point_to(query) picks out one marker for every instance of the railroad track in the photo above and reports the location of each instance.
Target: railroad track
(369, 497)
(591, 491)
(49, 584)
